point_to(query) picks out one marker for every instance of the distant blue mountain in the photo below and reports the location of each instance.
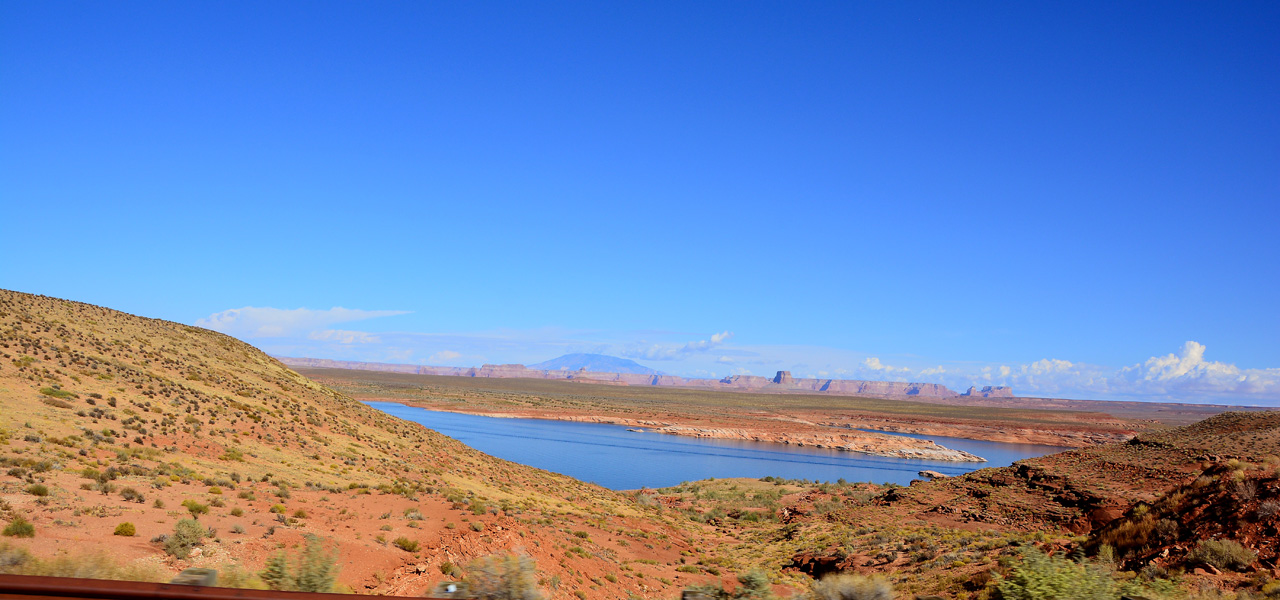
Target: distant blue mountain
(599, 363)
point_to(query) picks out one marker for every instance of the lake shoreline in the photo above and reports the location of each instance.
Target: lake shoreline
(851, 440)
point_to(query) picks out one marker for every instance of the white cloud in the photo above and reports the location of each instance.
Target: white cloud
(1184, 376)
(443, 356)
(343, 336)
(930, 372)
(1188, 371)
(874, 364)
(266, 322)
(677, 352)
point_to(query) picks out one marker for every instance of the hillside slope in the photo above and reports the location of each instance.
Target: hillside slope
(106, 417)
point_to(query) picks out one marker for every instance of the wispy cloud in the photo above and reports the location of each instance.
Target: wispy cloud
(444, 356)
(343, 336)
(265, 322)
(677, 352)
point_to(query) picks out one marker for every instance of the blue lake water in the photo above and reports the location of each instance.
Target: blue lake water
(615, 458)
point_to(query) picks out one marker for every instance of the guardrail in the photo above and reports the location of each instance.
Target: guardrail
(26, 587)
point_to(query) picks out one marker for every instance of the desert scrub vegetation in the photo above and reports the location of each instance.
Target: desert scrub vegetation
(406, 544)
(850, 587)
(1222, 554)
(503, 577)
(753, 585)
(99, 565)
(20, 527)
(313, 569)
(126, 529)
(1037, 576)
(187, 534)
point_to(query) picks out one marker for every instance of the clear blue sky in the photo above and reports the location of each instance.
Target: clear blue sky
(937, 187)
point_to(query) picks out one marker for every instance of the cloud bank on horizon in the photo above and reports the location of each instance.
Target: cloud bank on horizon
(1182, 376)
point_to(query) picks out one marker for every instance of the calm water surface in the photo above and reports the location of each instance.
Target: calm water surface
(615, 458)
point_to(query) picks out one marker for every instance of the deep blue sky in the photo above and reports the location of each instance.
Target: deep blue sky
(952, 185)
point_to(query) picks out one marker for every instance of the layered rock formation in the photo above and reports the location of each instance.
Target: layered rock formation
(782, 382)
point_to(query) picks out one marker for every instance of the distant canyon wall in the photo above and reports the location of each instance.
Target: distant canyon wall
(782, 382)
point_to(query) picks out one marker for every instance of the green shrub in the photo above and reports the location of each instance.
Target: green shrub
(19, 527)
(477, 526)
(503, 577)
(300, 514)
(237, 512)
(132, 495)
(126, 529)
(195, 508)
(450, 569)
(1039, 577)
(406, 544)
(187, 534)
(1222, 554)
(314, 570)
(38, 489)
(851, 587)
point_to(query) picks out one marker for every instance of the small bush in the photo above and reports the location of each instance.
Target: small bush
(277, 508)
(505, 576)
(38, 489)
(314, 570)
(215, 490)
(477, 526)
(406, 544)
(132, 495)
(187, 534)
(450, 569)
(195, 508)
(126, 529)
(237, 512)
(1222, 554)
(852, 587)
(300, 514)
(20, 527)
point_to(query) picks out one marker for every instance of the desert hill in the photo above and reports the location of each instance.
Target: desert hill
(108, 418)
